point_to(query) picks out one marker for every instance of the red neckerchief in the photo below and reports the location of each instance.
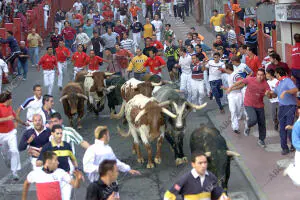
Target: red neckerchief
(281, 79)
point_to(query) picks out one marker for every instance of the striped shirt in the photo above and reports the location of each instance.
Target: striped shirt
(231, 37)
(127, 44)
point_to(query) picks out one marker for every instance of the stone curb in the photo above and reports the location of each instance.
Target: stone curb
(245, 170)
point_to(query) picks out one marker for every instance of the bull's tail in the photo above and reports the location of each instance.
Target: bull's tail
(122, 132)
(120, 114)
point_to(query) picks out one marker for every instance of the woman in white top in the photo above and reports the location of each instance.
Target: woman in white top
(272, 81)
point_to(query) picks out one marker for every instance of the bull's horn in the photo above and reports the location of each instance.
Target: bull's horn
(122, 132)
(179, 91)
(138, 117)
(108, 73)
(167, 112)
(208, 154)
(196, 106)
(165, 103)
(156, 84)
(232, 153)
(63, 97)
(82, 96)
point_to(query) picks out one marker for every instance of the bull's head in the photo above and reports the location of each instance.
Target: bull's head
(73, 99)
(182, 109)
(151, 115)
(99, 85)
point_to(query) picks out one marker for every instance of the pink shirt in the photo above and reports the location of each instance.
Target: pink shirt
(255, 92)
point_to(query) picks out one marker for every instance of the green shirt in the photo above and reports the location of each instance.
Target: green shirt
(72, 137)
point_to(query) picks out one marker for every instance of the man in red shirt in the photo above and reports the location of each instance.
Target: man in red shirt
(69, 34)
(257, 88)
(79, 60)
(62, 53)
(155, 63)
(276, 63)
(296, 60)
(252, 60)
(157, 44)
(8, 134)
(94, 62)
(120, 29)
(49, 65)
(122, 59)
(107, 13)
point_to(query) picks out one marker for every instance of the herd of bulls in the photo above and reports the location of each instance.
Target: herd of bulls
(154, 110)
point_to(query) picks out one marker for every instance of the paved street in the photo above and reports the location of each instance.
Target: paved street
(152, 184)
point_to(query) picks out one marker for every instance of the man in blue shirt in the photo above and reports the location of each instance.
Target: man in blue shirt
(286, 91)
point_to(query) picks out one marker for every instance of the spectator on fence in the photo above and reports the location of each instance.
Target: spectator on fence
(14, 49)
(23, 60)
(216, 19)
(34, 41)
(251, 36)
(46, 9)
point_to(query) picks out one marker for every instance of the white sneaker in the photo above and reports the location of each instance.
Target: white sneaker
(15, 176)
(194, 110)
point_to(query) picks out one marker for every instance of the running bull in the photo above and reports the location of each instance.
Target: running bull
(95, 89)
(210, 142)
(145, 120)
(175, 126)
(73, 102)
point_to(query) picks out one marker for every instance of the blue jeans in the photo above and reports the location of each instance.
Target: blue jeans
(217, 91)
(139, 76)
(68, 44)
(286, 116)
(24, 66)
(34, 55)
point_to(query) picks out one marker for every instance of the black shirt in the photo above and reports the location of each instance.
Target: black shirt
(96, 42)
(100, 191)
(136, 27)
(24, 51)
(108, 24)
(147, 49)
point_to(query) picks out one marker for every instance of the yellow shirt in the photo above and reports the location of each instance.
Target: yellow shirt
(217, 21)
(137, 64)
(148, 30)
(33, 40)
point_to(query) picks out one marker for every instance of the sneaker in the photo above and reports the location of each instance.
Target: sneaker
(261, 143)
(15, 176)
(276, 126)
(236, 131)
(194, 110)
(292, 149)
(24, 79)
(285, 152)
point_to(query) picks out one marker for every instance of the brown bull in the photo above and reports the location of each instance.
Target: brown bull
(73, 102)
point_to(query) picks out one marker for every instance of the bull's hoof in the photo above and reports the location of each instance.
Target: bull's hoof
(150, 165)
(141, 160)
(157, 160)
(185, 160)
(79, 127)
(179, 161)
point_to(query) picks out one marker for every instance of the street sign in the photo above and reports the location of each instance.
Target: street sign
(266, 12)
(247, 3)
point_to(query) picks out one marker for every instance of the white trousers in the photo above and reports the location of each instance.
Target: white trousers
(122, 17)
(224, 78)
(197, 91)
(144, 9)
(137, 39)
(185, 85)
(207, 86)
(66, 191)
(170, 8)
(76, 70)
(9, 149)
(49, 76)
(158, 34)
(243, 110)
(45, 21)
(62, 69)
(235, 102)
(293, 169)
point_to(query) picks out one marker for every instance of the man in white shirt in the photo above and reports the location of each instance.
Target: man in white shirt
(216, 68)
(82, 38)
(32, 104)
(3, 72)
(157, 23)
(78, 6)
(46, 110)
(235, 98)
(185, 62)
(100, 151)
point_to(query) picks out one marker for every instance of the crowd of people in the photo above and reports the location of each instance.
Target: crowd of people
(132, 41)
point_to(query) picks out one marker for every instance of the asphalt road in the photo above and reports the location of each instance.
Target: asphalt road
(151, 185)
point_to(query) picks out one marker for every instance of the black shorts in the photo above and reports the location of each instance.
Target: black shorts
(171, 63)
